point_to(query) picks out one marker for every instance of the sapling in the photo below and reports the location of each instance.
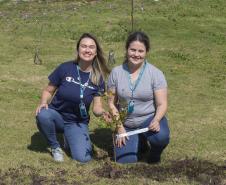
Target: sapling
(37, 59)
(117, 120)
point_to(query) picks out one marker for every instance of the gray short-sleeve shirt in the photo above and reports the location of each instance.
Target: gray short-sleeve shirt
(144, 104)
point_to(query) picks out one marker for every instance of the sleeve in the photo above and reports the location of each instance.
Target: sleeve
(56, 76)
(159, 81)
(112, 80)
(101, 88)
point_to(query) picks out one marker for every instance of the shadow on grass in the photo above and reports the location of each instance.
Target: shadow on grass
(201, 171)
(38, 143)
(102, 141)
(103, 145)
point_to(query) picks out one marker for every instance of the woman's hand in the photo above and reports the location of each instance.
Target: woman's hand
(121, 141)
(154, 125)
(161, 104)
(41, 106)
(47, 94)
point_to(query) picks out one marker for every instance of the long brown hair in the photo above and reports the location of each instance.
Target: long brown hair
(99, 62)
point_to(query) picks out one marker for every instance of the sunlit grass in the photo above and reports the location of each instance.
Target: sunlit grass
(188, 45)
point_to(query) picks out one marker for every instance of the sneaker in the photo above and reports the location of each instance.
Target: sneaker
(57, 154)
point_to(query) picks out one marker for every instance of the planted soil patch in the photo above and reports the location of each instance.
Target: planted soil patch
(200, 171)
(203, 172)
(29, 175)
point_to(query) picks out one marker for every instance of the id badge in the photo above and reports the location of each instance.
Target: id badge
(83, 111)
(130, 108)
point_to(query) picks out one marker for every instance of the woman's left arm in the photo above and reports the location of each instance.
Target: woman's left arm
(161, 109)
(98, 109)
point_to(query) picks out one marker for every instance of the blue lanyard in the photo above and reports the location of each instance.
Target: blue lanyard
(82, 86)
(131, 86)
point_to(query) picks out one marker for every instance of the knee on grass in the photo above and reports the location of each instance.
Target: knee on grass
(81, 158)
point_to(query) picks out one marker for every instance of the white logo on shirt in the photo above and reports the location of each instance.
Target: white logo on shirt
(71, 79)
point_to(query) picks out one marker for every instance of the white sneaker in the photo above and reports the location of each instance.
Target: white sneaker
(57, 154)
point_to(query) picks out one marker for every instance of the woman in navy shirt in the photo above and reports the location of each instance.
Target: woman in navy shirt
(65, 102)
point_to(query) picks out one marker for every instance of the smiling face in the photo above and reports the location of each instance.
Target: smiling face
(136, 53)
(87, 50)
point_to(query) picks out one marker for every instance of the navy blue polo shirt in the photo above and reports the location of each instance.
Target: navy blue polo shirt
(67, 98)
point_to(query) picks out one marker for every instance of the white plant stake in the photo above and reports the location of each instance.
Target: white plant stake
(130, 133)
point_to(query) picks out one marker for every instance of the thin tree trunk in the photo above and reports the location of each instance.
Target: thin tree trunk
(132, 9)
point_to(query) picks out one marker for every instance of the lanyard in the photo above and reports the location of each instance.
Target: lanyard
(131, 86)
(82, 86)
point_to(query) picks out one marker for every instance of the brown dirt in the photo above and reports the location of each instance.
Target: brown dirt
(203, 172)
(28, 175)
(200, 171)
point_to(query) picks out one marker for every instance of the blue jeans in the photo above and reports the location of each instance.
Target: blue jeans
(50, 122)
(158, 141)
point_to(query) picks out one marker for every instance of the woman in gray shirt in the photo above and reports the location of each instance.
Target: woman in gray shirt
(143, 89)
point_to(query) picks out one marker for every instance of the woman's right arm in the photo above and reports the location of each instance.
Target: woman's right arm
(112, 100)
(47, 95)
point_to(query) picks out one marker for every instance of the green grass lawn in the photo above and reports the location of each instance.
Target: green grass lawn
(188, 40)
